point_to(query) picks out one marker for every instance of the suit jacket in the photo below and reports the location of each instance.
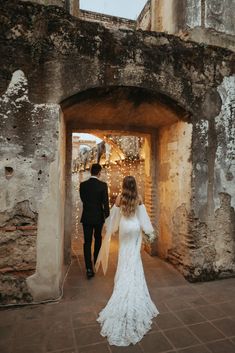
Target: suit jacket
(94, 196)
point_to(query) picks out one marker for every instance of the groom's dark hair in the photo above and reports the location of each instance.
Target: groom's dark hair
(95, 169)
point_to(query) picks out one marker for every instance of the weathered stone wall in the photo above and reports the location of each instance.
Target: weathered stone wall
(174, 184)
(171, 16)
(193, 13)
(213, 183)
(144, 18)
(61, 3)
(204, 21)
(168, 15)
(28, 144)
(72, 7)
(111, 22)
(210, 224)
(215, 14)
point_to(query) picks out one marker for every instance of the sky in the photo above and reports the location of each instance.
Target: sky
(121, 8)
(89, 137)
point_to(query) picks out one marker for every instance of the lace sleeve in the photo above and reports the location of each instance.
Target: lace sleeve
(144, 219)
(112, 225)
(112, 222)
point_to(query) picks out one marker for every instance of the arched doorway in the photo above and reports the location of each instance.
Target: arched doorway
(167, 131)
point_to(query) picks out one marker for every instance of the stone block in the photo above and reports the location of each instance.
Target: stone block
(17, 251)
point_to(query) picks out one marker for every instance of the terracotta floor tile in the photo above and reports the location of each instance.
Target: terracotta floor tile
(213, 297)
(58, 337)
(96, 348)
(206, 332)
(211, 311)
(6, 333)
(228, 308)
(87, 336)
(176, 304)
(197, 301)
(155, 343)
(181, 337)
(9, 317)
(35, 312)
(84, 319)
(226, 325)
(129, 349)
(195, 349)
(224, 346)
(167, 320)
(69, 350)
(28, 331)
(61, 327)
(190, 316)
(162, 308)
(30, 348)
(5, 347)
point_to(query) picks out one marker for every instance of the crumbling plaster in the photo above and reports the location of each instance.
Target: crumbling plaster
(209, 22)
(66, 56)
(174, 182)
(29, 143)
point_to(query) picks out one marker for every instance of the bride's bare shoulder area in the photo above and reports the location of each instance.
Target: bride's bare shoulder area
(118, 200)
(140, 200)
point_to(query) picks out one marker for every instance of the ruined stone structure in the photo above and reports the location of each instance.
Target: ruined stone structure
(59, 75)
(203, 21)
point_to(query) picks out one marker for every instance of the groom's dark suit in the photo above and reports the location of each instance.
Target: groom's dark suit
(94, 196)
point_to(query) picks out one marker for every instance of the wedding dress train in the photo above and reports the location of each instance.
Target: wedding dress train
(128, 315)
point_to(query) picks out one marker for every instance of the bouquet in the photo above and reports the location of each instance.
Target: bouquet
(149, 237)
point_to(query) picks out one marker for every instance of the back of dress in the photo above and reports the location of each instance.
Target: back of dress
(129, 227)
(128, 314)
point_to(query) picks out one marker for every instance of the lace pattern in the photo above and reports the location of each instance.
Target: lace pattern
(128, 315)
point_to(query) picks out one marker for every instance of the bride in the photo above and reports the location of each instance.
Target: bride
(127, 317)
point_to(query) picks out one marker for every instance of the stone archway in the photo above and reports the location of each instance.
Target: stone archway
(64, 59)
(137, 110)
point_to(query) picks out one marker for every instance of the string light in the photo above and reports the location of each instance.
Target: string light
(130, 161)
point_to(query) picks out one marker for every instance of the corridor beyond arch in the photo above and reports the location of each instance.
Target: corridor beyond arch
(168, 132)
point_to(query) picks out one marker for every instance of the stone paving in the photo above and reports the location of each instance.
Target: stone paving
(194, 318)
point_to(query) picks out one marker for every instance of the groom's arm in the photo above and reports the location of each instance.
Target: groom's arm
(81, 190)
(105, 200)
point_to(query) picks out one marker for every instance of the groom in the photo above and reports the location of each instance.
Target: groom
(94, 196)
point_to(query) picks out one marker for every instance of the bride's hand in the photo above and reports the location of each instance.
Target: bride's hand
(140, 200)
(117, 202)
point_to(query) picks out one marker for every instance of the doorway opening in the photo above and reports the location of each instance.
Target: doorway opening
(120, 154)
(166, 129)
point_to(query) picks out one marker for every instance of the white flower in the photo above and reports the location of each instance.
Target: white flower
(150, 237)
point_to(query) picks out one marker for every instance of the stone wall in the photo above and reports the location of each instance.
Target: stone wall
(214, 14)
(60, 3)
(144, 19)
(171, 16)
(209, 249)
(204, 21)
(28, 140)
(168, 15)
(111, 22)
(213, 182)
(174, 184)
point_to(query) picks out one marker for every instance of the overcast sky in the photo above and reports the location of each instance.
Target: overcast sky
(121, 8)
(87, 137)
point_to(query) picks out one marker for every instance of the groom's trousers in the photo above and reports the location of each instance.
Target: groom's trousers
(89, 230)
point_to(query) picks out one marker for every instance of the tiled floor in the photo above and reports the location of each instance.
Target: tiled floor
(194, 318)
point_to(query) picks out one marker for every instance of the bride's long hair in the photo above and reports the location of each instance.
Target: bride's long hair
(129, 198)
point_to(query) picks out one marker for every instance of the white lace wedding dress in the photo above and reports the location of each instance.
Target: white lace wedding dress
(127, 317)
